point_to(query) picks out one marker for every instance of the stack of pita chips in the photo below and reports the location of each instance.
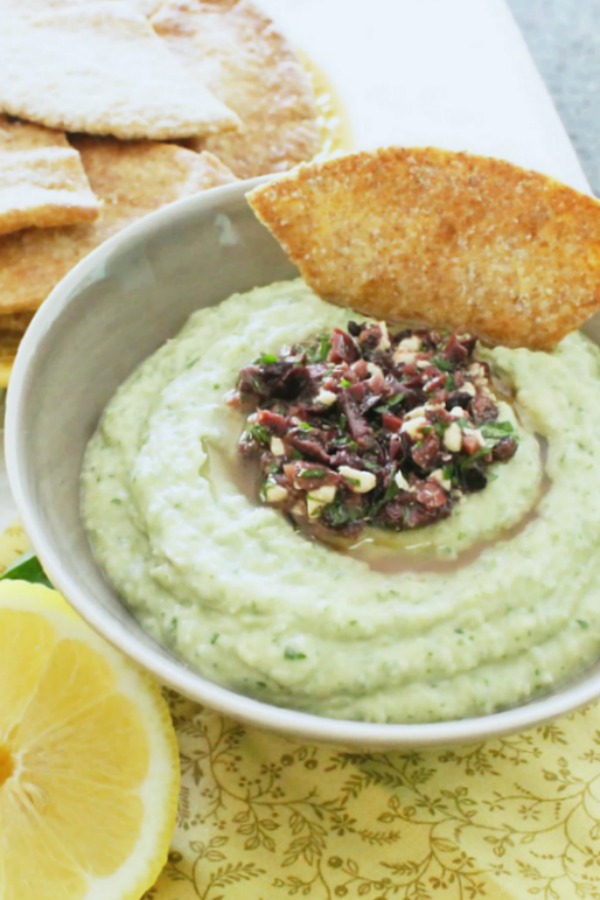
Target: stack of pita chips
(89, 94)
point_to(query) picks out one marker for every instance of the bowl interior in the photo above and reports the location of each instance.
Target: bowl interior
(111, 312)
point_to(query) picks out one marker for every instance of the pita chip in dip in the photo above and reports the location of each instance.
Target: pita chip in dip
(442, 239)
(349, 504)
(42, 179)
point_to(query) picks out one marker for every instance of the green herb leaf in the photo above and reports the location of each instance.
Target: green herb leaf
(29, 569)
(391, 492)
(462, 422)
(372, 465)
(266, 359)
(346, 441)
(392, 401)
(448, 473)
(260, 433)
(395, 399)
(290, 653)
(495, 431)
(304, 426)
(337, 513)
(465, 462)
(312, 473)
(320, 351)
(444, 364)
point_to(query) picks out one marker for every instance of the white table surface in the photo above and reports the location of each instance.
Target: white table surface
(451, 73)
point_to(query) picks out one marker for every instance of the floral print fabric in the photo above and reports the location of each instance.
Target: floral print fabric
(262, 816)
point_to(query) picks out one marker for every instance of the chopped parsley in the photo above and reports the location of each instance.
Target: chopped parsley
(290, 653)
(494, 431)
(319, 352)
(260, 433)
(319, 411)
(266, 359)
(444, 364)
(312, 473)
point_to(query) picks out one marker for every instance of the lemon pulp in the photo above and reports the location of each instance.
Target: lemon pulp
(88, 759)
(7, 766)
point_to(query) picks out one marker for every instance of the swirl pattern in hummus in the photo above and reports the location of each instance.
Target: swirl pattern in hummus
(251, 604)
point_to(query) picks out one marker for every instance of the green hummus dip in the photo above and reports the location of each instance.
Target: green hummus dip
(478, 612)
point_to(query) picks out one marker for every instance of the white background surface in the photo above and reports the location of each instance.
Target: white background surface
(451, 73)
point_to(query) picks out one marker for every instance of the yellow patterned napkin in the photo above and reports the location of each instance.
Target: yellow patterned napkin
(263, 817)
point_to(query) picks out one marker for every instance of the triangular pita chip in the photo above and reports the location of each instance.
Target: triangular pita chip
(233, 48)
(447, 240)
(131, 179)
(101, 69)
(42, 181)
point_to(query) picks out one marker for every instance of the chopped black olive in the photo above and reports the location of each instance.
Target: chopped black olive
(361, 427)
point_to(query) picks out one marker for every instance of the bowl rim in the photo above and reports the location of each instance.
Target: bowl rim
(173, 672)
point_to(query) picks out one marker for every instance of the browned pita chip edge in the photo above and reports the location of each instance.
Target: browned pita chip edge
(42, 180)
(236, 50)
(443, 239)
(132, 179)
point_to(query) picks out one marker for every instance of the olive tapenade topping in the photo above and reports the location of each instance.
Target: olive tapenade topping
(362, 428)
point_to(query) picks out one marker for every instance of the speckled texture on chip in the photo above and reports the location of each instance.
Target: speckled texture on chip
(42, 180)
(131, 179)
(443, 239)
(233, 48)
(101, 69)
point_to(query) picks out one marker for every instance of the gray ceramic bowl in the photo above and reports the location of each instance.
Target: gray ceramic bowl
(113, 310)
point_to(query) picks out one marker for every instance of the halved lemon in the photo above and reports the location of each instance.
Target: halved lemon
(89, 769)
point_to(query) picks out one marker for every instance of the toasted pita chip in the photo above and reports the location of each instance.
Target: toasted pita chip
(9, 343)
(233, 48)
(214, 171)
(131, 179)
(42, 181)
(442, 239)
(14, 325)
(101, 69)
(12, 329)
